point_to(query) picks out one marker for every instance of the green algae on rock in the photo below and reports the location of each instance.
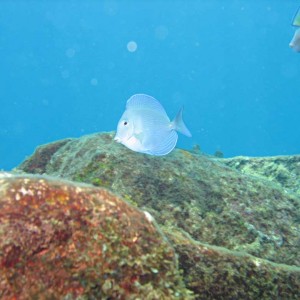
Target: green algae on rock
(282, 170)
(201, 196)
(213, 203)
(60, 240)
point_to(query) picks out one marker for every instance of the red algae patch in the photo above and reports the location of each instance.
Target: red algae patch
(64, 240)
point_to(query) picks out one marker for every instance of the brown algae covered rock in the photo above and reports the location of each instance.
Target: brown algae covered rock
(218, 273)
(42, 155)
(241, 228)
(213, 203)
(60, 240)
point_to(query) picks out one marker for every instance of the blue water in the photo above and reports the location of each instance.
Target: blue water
(66, 71)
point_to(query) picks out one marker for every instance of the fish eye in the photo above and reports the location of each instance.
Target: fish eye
(125, 123)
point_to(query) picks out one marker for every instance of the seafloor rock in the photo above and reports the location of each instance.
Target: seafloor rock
(217, 273)
(200, 196)
(282, 170)
(59, 240)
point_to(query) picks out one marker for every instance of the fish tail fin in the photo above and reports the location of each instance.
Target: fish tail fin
(179, 125)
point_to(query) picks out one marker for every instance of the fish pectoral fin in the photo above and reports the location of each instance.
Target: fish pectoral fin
(135, 144)
(139, 136)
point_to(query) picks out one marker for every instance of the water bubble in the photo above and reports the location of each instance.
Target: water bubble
(132, 46)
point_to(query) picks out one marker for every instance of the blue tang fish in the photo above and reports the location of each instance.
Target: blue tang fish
(145, 126)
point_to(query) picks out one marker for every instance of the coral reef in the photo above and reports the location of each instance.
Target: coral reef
(206, 198)
(59, 240)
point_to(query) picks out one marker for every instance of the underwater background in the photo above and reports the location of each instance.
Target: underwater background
(68, 67)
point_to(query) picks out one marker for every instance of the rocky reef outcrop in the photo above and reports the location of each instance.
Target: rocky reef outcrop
(60, 240)
(236, 232)
(281, 170)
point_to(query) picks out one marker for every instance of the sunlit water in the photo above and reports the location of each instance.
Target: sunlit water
(68, 67)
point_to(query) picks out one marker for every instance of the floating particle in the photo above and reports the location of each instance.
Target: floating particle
(132, 46)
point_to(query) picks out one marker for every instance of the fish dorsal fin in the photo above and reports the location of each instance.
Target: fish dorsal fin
(143, 101)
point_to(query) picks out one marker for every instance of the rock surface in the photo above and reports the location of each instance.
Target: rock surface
(282, 170)
(59, 240)
(201, 197)
(216, 273)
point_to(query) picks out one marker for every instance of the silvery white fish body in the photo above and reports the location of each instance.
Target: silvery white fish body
(295, 42)
(145, 126)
